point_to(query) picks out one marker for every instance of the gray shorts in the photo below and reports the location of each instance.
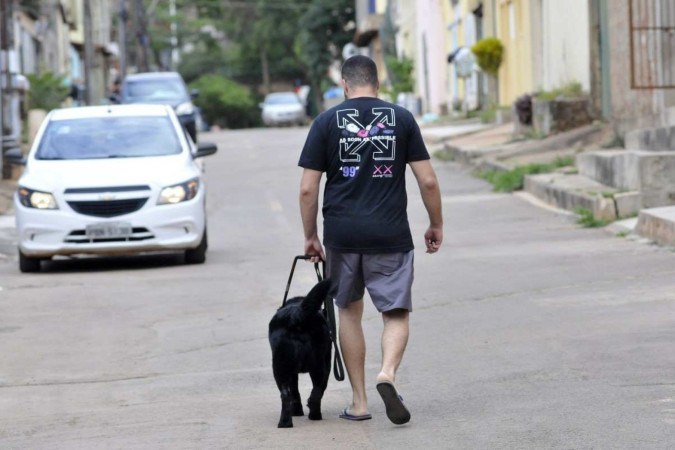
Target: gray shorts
(387, 276)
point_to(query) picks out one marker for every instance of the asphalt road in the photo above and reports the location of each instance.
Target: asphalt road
(528, 331)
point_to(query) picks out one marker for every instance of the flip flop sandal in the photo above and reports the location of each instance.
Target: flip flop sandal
(345, 414)
(396, 410)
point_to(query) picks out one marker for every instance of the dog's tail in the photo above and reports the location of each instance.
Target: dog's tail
(313, 301)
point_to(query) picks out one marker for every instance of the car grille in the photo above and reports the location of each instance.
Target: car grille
(107, 189)
(107, 208)
(80, 237)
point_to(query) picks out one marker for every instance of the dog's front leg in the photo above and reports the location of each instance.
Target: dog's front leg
(286, 419)
(319, 383)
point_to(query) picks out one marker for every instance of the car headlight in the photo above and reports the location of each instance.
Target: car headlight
(185, 108)
(36, 199)
(179, 192)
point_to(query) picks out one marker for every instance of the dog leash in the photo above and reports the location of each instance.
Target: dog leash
(329, 309)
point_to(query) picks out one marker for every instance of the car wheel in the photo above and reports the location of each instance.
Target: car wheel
(197, 255)
(27, 264)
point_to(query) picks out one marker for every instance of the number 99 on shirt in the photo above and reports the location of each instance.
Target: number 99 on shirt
(349, 172)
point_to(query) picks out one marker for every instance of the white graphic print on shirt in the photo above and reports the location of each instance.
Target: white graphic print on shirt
(355, 137)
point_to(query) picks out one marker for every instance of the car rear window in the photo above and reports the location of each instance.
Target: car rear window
(282, 99)
(155, 91)
(109, 137)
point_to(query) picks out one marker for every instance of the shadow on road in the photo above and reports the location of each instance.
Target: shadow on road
(112, 263)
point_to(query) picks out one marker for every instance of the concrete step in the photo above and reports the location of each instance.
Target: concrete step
(574, 191)
(649, 172)
(654, 139)
(616, 168)
(657, 224)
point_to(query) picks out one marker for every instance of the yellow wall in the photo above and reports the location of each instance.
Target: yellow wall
(515, 32)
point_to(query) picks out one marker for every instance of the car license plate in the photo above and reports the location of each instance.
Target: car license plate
(108, 230)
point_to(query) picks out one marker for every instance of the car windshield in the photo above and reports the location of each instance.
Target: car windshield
(155, 91)
(109, 137)
(282, 98)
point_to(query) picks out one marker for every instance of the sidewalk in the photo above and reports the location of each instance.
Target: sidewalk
(494, 147)
(7, 189)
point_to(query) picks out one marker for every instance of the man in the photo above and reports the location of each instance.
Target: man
(364, 145)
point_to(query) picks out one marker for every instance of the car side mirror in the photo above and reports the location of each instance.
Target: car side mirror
(14, 156)
(261, 105)
(205, 149)
(194, 94)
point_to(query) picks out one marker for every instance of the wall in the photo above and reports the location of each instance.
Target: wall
(431, 58)
(631, 108)
(513, 22)
(565, 44)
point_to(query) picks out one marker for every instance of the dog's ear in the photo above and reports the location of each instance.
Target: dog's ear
(317, 295)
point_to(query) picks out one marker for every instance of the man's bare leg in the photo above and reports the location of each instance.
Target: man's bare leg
(353, 345)
(394, 341)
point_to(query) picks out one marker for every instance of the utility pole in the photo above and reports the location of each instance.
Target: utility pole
(142, 36)
(175, 57)
(88, 54)
(122, 37)
(3, 66)
(7, 66)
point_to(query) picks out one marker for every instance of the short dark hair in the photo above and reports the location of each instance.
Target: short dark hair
(360, 70)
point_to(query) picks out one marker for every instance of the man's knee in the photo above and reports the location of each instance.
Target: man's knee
(396, 314)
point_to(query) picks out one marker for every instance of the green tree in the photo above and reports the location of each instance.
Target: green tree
(47, 91)
(325, 28)
(489, 54)
(401, 71)
(226, 103)
(256, 42)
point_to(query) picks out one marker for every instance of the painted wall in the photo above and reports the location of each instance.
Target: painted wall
(462, 31)
(565, 44)
(431, 59)
(514, 29)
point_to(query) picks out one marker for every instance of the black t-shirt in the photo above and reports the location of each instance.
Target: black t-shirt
(364, 145)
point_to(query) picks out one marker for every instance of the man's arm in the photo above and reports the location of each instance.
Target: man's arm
(309, 209)
(431, 196)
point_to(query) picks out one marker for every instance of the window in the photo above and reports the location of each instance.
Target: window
(652, 44)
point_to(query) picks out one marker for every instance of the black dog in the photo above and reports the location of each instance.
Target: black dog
(301, 343)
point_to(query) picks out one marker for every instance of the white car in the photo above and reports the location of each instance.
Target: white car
(283, 108)
(108, 180)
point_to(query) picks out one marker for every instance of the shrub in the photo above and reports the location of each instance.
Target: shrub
(489, 53)
(47, 91)
(513, 180)
(570, 90)
(587, 220)
(401, 75)
(226, 103)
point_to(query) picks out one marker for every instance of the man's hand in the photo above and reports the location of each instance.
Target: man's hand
(433, 239)
(314, 249)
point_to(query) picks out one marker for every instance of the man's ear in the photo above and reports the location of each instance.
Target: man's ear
(344, 85)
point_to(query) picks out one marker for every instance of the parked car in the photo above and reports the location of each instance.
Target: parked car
(107, 180)
(162, 88)
(283, 108)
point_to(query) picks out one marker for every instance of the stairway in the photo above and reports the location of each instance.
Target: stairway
(616, 184)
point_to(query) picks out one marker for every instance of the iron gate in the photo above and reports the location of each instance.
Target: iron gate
(652, 44)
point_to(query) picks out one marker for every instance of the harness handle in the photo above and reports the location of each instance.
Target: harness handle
(328, 310)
